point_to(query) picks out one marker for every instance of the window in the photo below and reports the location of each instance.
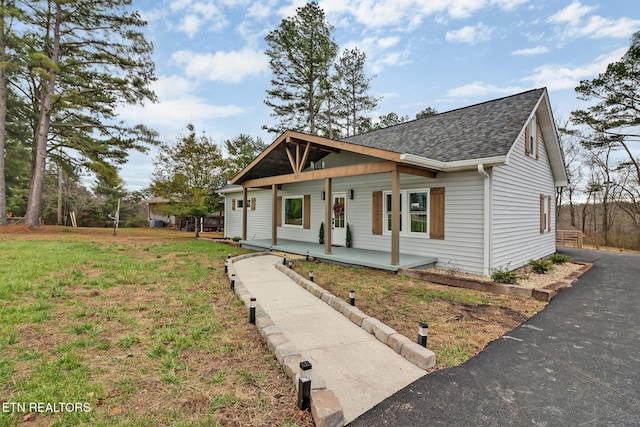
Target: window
(531, 138)
(293, 210)
(387, 208)
(418, 211)
(239, 204)
(416, 204)
(545, 213)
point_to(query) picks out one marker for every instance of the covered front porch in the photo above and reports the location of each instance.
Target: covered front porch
(296, 158)
(342, 255)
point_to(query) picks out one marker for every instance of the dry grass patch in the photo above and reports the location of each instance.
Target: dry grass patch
(461, 321)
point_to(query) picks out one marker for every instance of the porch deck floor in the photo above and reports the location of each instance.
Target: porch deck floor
(342, 255)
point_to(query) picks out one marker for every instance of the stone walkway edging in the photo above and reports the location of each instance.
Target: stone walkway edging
(412, 351)
(326, 409)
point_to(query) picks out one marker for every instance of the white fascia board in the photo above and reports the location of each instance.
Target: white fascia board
(458, 165)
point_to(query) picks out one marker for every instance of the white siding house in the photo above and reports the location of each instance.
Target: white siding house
(475, 187)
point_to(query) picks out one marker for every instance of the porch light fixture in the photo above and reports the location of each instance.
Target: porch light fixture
(352, 297)
(423, 333)
(252, 310)
(311, 276)
(351, 194)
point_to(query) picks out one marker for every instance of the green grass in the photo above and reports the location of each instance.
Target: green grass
(104, 321)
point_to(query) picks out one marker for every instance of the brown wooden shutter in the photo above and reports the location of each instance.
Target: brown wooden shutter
(542, 197)
(376, 213)
(306, 215)
(527, 136)
(233, 204)
(279, 211)
(537, 145)
(253, 203)
(436, 216)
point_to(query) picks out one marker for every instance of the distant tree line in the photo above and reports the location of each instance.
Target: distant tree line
(600, 146)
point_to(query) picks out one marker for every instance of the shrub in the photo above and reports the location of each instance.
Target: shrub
(540, 266)
(236, 238)
(559, 258)
(503, 275)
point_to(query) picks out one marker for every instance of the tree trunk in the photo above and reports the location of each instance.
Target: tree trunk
(34, 204)
(3, 117)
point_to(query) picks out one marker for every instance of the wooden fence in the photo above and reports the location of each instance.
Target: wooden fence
(569, 238)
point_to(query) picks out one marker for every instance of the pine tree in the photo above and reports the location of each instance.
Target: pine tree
(301, 52)
(353, 90)
(84, 59)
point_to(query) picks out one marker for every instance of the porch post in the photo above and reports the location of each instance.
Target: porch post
(395, 217)
(244, 213)
(274, 213)
(327, 215)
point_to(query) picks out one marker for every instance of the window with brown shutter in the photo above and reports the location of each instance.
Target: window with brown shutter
(376, 213)
(253, 204)
(436, 220)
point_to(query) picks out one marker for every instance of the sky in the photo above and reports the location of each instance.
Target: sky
(212, 71)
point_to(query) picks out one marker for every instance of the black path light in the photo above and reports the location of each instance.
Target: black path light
(311, 276)
(352, 297)
(291, 265)
(252, 310)
(304, 386)
(423, 333)
(232, 282)
(284, 260)
(226, 266)
(307, 256)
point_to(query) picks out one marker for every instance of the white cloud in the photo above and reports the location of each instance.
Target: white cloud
(574, 22)
(571, 14)
(470, 34)
(379, 53)
(227, 67)
(408, 14)
(557, 77)
(193, 16)
(538, 50)
(478, 88)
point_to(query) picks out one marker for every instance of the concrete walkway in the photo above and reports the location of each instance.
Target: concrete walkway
(360, 370)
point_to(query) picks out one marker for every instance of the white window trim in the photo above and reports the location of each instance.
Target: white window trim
(284, 211)
(406, 213)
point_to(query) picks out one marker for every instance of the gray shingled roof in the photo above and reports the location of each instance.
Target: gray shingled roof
(483, 130)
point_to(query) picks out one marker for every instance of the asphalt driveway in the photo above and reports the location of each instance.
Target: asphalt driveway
(575, 363)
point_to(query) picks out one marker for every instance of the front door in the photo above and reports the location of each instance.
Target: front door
(338, 219)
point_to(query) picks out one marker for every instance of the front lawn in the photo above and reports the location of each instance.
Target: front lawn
(139, 328)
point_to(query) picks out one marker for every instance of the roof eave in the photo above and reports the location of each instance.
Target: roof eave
(454, 166)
